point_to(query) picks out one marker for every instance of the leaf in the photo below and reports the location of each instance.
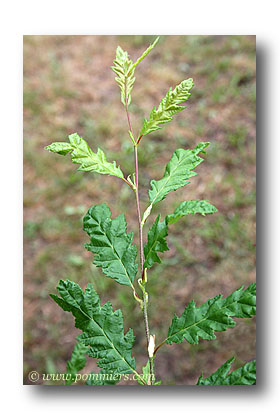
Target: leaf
(102, 329)
(146, 376)
(158, 232)
(77, 362)
(103, 378)
(113, 247)
(124, 69)
(177, 172)
(169, 106)
(214, 315)
(60, 147)
(191, 207)
(245, 375)
(156, 242)
(85, 157)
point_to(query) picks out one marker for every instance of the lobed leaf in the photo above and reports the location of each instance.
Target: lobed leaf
(85, 157)
(124, 69)
(214, 315)
(191, 207)
(102, 329)
(77, 362)
(245, 375)
(113, 247)
(177, 172)
(158, 232)
(169, 106)
(156, 242)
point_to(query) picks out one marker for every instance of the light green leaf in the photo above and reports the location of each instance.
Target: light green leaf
(214, 315)
(124, 69)
(102, 329)
(60, 147)
(177, 172)
(113, 247)
(191, 207)
(169, 106)
(77, 362)
(156, 242)
(85, 157)
(245, 375)
(146, 52)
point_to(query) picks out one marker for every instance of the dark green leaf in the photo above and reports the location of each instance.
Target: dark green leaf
(77, 362)
(158, 232)
(103, 329)
(214, 315)
(191, 207)
(246, 375)
(178, 170)
(103, 378)
(113, 247)
(156, 242)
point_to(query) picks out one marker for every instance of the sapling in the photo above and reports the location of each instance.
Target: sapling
(103, 336)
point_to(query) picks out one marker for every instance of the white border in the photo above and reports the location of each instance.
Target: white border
(127, 17)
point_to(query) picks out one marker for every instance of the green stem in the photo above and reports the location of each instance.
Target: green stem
(145, 308)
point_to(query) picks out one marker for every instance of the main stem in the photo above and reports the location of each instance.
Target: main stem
(145, 306)
(145, 309)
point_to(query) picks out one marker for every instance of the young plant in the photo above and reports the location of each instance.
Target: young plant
(103, 336)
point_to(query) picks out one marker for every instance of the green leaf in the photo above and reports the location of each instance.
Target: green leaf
(156, 242)
(214, 315)
(85, 157)
(177, 172)
(245, 375)
(103, 378)
(146, 375)
(169, 106)
(113, 247)
(102, 329)
(77, 362)
(191, 207)
(124, 69)
(146, 52)
(158, 232)
(60, 147)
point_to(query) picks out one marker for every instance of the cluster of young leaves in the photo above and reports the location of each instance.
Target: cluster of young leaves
(124, 69)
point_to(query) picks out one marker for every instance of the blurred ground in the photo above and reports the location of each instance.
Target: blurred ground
(69, 87)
